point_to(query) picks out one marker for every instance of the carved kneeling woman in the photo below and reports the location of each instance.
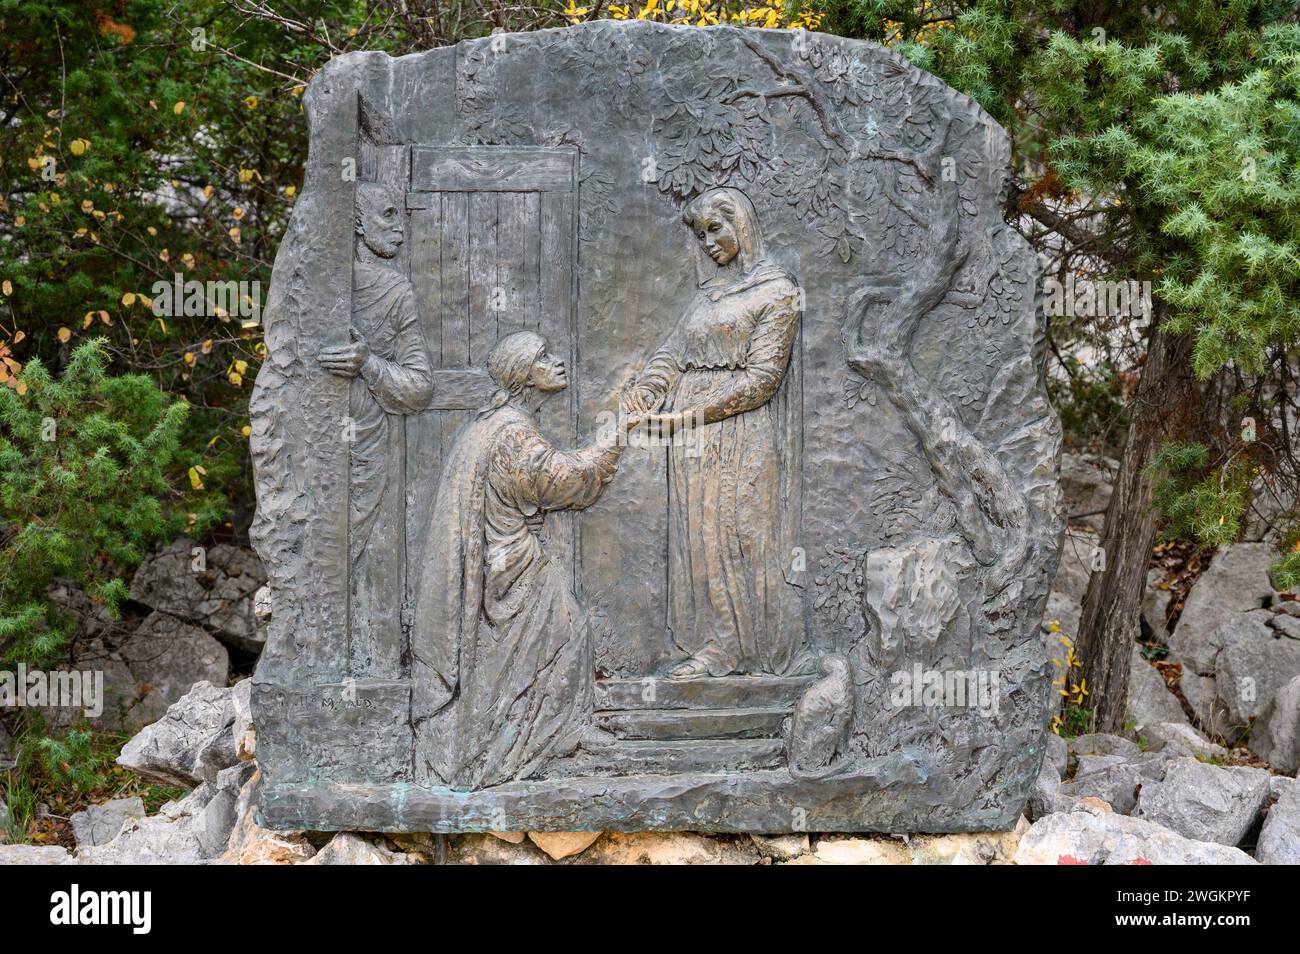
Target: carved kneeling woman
(501, 664)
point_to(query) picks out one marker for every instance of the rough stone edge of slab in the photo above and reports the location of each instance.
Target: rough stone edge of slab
(730, 804)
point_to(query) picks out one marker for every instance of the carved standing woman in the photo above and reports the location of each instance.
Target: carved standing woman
(733, 498)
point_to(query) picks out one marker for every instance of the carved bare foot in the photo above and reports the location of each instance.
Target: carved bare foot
(689, 668)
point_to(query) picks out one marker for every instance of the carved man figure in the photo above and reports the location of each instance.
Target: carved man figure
(389, 365)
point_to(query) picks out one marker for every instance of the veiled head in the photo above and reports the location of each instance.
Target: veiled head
(724, 223)
(522, 360)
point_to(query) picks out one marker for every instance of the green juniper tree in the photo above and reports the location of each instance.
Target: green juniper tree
(86, 487)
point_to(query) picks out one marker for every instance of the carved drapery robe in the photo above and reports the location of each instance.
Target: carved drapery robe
(396, 378)
(501, 663)
(733, 487)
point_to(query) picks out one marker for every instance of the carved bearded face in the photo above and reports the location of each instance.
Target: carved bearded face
(379, 219)
(715, 228)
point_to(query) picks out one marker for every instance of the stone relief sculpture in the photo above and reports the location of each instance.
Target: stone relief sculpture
(732, 484)
(387, 362)
(501, 664)
(805, 593)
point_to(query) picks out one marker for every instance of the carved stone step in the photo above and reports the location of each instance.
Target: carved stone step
(664, 724)
(674, 757)
(708, 692)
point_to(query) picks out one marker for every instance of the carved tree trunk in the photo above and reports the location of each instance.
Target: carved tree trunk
(1110, 621)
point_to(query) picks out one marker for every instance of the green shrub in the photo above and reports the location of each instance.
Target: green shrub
(85, 490)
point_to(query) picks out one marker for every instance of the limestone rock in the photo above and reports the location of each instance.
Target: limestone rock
(249, 843)
(670, 848)
(513, 837)
(1058, 754)
(1107, 838)
(861, 851)
(563, 844)
(1179, 738)
(1075, 567)
(1086, 486)
(273, 848)
(351, 848)
(781, 847)
(1286, 624)
(488, 850)
(100, 824)
(1046, 796)
(1100, 743)
(169, 655)
(190, 744)
(1155, 607)
(1275, 736)
(1252, 671)
(1205, 802)
(214, 589)
(1149, 699)
(242, 728)
(1202, 695)
(1279, 840)
(34, 855)
(1235, 583)
(1112, 778)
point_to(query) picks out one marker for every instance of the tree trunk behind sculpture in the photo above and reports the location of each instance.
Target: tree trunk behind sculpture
(1109, 625)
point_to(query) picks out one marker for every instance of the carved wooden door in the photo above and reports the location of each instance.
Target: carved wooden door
(492, 251)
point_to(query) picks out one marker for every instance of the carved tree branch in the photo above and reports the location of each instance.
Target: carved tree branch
(992, 512)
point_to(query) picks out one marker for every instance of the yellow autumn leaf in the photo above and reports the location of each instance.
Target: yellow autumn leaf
(179, 107)
(128, 299)
(19, 336)
(207, 191)
(65, 335)
(189, 357)
(103, 316)
(250, 102)
(151, 230)
(87, 321)
(7, 287)
(241, 366)
(238, 213)
(246, 430)
(87, 205)
(234, 234)
(20, 220)
(79, 146)
(206, 347)
(236, 378)
(22, 388)
(196, 481)
(290, 191)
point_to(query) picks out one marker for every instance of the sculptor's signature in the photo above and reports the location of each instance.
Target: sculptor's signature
(333, 704)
